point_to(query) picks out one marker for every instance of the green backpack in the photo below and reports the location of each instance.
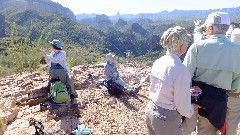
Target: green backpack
(59, 92)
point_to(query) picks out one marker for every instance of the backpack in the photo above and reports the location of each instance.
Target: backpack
(58, 92)
(114, 88)
(109, 87)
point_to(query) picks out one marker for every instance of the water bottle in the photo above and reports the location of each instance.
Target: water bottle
(197, 95)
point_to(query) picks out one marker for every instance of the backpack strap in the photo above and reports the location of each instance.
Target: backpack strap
(66, 83)
(55, 93)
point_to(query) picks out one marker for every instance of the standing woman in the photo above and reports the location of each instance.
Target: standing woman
(170, 95)
(56, 61)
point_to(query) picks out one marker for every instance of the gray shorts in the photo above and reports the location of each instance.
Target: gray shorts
(162, 121)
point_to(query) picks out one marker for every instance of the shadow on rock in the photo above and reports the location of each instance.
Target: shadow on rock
(68, 123)
(68, 116)
(125, 101)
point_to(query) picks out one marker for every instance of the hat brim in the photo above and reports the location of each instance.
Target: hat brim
(109, 57)
(54, 45)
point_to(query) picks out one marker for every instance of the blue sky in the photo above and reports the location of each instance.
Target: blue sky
(110, 7)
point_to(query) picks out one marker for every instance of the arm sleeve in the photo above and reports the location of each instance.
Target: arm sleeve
(182, 96)
(61, 57)
(198, 33)
(108, 73)
(49, 60)
(236, 83)
(117, 73)
(190, 60)
(198, 36)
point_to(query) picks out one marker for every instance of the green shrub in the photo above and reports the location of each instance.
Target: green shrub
(28, 58)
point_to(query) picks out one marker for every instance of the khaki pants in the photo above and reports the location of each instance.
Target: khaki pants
(189, 125)
(233, 115)
(162, 121)
(202, 123)
(206, 128)
(121, 82)
(64, 77)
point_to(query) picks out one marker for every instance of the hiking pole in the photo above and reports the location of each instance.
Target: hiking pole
(197, 95)
(92, 78)
(98, 83)
(38, 127)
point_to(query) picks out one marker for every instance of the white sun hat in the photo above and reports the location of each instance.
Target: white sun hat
(217, 18)
(109, 55)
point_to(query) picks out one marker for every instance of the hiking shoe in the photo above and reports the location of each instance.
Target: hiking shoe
(130, 92)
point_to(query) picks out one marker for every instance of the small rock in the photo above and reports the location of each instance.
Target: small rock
(112, 101)
(13, 103)
(11, 115)
(22, 99)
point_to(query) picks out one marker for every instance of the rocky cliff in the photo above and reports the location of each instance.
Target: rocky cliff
(38, 5)
(21, 95)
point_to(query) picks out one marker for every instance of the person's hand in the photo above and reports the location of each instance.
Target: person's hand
(196, 107)
(42, 51)
(195, 91)
(199, 27)
(198, 23)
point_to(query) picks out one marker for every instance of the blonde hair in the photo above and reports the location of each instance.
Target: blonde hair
(173, 38)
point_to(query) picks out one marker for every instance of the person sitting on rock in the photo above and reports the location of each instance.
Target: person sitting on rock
(56, 61)
(111, 73)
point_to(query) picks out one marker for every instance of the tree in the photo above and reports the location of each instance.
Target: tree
(139, 29)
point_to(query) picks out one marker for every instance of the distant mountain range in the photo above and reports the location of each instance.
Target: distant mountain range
(37, 5)
(139, 33)
(233, 12)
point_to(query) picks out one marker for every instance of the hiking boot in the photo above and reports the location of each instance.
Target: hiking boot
(129, 91)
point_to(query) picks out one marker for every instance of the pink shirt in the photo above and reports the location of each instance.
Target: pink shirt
(170, 85)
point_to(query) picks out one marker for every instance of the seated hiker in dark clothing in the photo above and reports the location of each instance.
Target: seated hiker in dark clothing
(111, 73)
(56, 61)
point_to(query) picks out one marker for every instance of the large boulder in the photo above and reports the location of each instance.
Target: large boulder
(9, 114)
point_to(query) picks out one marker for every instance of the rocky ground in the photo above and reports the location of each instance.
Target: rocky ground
(21, 95)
